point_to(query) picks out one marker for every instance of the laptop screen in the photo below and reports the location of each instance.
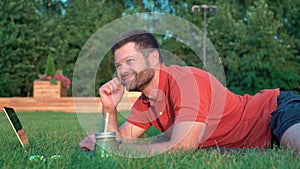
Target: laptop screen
(13, 118)
(17, 126)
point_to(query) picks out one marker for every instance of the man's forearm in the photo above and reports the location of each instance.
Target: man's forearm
(112, 121)
(154, 148)
(159, 146)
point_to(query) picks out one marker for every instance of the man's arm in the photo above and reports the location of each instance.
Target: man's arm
(127, 131)
(185, 135)
(130, 131)
(111, 94)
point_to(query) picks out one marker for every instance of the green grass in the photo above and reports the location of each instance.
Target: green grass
(60, 133)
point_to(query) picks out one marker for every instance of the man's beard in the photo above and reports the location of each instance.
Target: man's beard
(140, 80)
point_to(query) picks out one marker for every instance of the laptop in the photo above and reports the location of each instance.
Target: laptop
(17, 126)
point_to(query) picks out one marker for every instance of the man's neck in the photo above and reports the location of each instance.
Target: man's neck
(151, 90)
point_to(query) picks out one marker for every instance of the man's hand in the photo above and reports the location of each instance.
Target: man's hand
(111, 93)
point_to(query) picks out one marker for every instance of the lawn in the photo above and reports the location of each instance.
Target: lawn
(59, 134)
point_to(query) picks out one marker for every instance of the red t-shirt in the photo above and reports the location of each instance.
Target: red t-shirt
(191, 94)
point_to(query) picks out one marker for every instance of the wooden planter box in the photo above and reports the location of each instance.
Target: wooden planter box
(46, 89)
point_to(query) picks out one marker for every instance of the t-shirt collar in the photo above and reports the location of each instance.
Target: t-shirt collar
(163, 81)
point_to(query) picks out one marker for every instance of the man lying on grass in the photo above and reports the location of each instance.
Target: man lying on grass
(191, 105)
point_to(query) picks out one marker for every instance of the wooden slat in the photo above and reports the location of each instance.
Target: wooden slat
(62, 104)
(46, 89)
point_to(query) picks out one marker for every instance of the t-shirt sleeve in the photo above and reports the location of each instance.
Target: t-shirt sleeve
(138, 116)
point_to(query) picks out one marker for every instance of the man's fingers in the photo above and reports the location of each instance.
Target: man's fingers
(116, 85)
(111, 87)
(111, 93)
(105, 89)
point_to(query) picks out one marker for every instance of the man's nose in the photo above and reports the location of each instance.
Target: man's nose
(123, 69)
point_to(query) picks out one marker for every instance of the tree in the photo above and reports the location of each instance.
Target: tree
(50, 67)
(257, 53)
(18, 22)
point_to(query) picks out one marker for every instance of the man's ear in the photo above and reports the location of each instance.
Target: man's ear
(154, 58)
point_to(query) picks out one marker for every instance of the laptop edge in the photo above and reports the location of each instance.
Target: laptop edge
(16, 125)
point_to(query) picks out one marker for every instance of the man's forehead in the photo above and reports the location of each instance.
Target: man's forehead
(128, 56)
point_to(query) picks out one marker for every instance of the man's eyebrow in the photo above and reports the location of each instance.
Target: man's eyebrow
(124, 59)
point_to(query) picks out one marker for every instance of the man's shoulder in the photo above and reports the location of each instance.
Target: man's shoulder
(179, 71)
(189, 74)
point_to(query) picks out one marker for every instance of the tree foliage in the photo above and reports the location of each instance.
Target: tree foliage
(258, 41)
(50, 69)
(257, 51)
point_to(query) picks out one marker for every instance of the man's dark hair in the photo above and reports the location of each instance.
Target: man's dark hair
(145, 42)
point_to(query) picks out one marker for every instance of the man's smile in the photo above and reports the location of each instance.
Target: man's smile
(128, 78)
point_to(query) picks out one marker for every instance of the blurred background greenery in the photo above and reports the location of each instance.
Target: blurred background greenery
(258, 41)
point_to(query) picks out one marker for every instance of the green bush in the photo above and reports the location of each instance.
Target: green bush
(50, 67)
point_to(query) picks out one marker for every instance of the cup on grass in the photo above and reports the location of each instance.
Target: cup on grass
(106, 144)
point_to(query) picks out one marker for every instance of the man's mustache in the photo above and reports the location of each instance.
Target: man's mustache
(124, 76)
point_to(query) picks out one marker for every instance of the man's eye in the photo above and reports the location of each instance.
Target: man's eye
(130, 61)
(117, 65)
